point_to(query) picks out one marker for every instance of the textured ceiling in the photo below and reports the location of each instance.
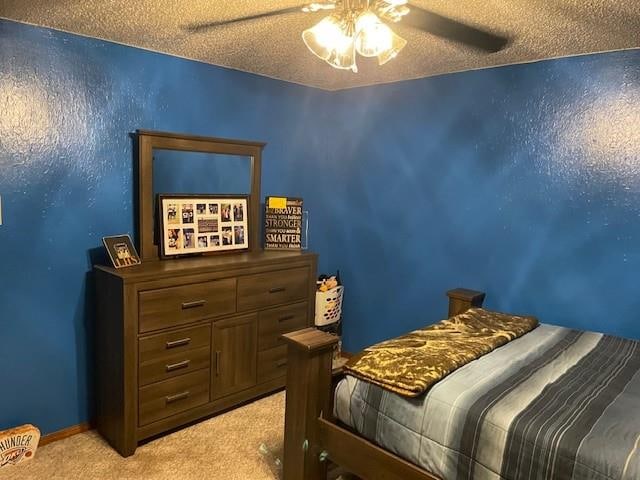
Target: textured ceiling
(273, 47)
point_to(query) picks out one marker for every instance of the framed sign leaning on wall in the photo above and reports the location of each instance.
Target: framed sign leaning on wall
(283, 223)
(201, 224)
(121, 251)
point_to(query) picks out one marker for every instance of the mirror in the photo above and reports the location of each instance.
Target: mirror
(200, 172)
(172, 163)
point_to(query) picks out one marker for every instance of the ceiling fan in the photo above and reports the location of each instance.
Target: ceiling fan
(360, 26)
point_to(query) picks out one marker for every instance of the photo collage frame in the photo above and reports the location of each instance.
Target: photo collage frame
(197, 224)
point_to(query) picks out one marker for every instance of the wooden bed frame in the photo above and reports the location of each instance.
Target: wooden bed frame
(313, 436)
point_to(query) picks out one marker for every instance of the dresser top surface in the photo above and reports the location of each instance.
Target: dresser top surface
(191, 265)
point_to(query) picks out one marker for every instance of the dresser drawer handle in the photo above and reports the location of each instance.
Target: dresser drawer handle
(178, 366)
(179, 343)
(284, 318)
(197, 303)
(277, 289)
(179, 396)
(281, 363)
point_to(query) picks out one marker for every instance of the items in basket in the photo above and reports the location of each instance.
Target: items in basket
(328, 300)
(326, 283)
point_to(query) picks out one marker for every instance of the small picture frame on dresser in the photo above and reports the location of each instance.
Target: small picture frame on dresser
(121, 251)
(202, 224)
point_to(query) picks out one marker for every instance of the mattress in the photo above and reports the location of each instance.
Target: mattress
(554, 404)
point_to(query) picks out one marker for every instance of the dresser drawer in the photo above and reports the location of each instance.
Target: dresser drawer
(273, 288)
(168, 307)
(273, 323)
(272, 363)
(163, 345)
(174, 364)
(167, 398)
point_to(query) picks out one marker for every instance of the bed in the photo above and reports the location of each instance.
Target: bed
(555, 403)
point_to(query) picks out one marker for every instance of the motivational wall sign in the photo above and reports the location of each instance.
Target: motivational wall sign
(283, 223)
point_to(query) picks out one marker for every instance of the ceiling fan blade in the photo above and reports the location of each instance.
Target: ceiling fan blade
(453, 30)
(200, 27)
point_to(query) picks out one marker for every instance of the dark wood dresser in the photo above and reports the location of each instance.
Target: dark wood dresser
(179, 340)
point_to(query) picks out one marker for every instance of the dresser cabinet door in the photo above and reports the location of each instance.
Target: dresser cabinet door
(235, 342)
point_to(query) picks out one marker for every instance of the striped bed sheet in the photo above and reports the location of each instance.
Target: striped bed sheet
(554, 404)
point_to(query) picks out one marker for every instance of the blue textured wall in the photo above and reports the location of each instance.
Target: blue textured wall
(522, 181)
(67, 107)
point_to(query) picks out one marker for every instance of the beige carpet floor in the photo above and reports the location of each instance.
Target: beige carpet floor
(225, 447)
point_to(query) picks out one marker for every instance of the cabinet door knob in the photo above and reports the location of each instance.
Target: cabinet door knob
(179, 396)
(178, 366)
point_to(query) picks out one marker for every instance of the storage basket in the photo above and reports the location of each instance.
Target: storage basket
(329, 306)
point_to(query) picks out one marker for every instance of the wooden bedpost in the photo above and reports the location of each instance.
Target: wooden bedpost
(309, 358)
(462, 299)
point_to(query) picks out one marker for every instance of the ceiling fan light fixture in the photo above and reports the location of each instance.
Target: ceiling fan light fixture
(397, 44)
(393, 10)
(332, 40)
(331, 33)
(344, 59)
(324, 37)
(373, 37)
(363, 27)
(339, 37)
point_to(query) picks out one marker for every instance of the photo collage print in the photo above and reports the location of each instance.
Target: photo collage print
(196, 225)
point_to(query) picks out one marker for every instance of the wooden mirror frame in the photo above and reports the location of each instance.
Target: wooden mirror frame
(148, 140)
